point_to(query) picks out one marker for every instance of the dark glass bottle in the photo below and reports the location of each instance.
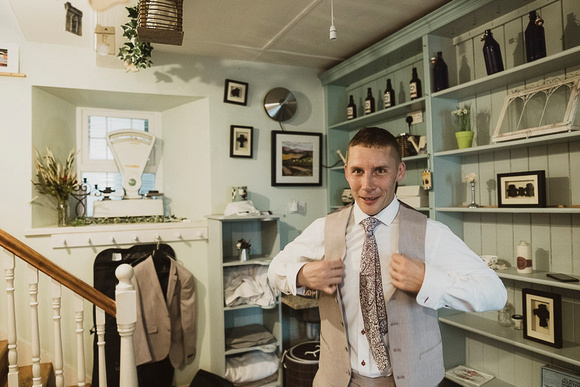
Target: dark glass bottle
(440, 73)
(351, 109)
(389, 96)
(535, 38)
(369, 102)
(491, 53)
(415, 88)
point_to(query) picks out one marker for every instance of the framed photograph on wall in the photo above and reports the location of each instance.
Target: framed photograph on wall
(521, 189)
(542, 317)
(296, 158)
(236, 92)
(241, 141)
(9, 58)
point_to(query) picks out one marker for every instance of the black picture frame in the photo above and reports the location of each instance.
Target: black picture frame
(542, 317)
(296, 158)
(521, 189)
(241, 141)
(236, 92)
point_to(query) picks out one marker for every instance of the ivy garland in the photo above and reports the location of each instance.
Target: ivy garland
(134, 53)
(85, 221)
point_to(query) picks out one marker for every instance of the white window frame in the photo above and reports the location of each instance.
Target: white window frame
(84, 164)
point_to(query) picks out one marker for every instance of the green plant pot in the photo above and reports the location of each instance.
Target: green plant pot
(464, 139)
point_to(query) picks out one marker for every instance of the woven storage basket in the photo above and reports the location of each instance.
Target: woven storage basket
(161, 21)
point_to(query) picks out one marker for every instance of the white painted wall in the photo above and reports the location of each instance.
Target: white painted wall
(197, 167)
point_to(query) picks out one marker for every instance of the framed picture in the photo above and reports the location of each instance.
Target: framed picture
(241, 141)
(521, 189)
(8, 58)
(236, 92)
(542, 317)
(296, 158)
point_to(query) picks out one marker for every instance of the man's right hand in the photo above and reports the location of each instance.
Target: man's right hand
(321, 275)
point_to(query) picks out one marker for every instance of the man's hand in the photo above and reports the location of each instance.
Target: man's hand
(321, 275)
(407, 274)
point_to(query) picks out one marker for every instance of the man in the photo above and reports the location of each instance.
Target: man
(410, 266)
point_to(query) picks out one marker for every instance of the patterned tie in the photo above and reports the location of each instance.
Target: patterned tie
(372, 299)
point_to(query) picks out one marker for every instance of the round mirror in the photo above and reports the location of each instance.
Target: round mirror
(280, 104)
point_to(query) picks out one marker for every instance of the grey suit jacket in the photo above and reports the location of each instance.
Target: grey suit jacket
(415, 349)
(165, 328)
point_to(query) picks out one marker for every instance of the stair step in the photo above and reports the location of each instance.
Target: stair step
(46, 375)
(3, 362)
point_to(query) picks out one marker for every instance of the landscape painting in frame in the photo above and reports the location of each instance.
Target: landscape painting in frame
(296, 158)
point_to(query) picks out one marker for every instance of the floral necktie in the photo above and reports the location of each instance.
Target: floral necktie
(372, 299)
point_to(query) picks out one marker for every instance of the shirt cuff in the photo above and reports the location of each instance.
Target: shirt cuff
(292, 276)
(433, 288)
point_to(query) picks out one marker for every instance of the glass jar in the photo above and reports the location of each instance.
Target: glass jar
(504, 316)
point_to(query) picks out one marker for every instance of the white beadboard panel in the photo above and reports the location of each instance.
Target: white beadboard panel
(490, 356)
(472, 232)
(576, 247)
(553, 29)
(505, 239)
(561, 233)
(519, 160)
(558, 177)
(488, 234)
(523, 368)
(541, 241)
(486, 181)
(465, 58)
(506, 363)
(522, 231)
(515, 46)
(568, 304)
(570, 15)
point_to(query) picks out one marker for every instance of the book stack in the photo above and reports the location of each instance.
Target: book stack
(413, 195)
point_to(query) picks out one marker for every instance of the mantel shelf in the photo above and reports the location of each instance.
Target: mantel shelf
(570, 353)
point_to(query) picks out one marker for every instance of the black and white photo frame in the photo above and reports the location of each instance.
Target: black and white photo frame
(542, 317)
(236, 92)
(521, 189)
(241, 141)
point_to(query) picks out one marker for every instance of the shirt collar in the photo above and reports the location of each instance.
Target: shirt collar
(386, 216)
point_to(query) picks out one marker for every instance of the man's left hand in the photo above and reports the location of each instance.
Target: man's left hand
(406, 273)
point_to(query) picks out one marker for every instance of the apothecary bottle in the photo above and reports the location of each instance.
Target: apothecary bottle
(440, 73)
(491, 53)
(351, 109)
(369, 102)
(415, 85)
(389, 96)
(535, 38)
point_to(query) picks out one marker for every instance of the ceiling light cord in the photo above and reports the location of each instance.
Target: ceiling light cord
(332, 27)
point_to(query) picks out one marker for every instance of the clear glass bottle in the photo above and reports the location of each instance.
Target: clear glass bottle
(351, 109)
(415, 88)
(535, 38)
(491, 53)
(369, 102)
(440, 73)
(389, 96)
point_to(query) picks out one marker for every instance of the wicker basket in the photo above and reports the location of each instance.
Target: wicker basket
(161, 21)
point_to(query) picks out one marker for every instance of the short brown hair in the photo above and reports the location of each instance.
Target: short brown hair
(373, 137)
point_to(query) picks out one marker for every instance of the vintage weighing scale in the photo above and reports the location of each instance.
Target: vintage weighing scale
(131, 150)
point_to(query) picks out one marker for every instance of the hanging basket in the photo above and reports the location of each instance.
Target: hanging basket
(160, 21)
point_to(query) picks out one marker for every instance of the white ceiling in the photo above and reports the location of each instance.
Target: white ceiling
(294, 32)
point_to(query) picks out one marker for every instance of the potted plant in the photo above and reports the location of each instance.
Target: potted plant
(135, 54)
(464, 134)
(56, 180)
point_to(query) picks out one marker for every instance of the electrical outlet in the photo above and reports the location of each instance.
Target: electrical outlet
(417, 116)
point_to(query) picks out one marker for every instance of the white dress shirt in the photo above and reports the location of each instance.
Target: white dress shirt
(455, 277)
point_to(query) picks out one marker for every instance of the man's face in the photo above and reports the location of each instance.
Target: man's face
(372, 174)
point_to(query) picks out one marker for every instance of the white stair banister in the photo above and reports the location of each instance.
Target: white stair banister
(12, 353)
(80, 319)
(56, 291)
(126, 299)
(35, 331)
(100, 318)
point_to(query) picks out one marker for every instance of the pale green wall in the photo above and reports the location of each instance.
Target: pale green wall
(198, 169)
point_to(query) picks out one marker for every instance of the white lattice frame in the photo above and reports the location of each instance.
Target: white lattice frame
(549, 87)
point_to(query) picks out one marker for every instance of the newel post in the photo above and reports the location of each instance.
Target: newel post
(126, 317)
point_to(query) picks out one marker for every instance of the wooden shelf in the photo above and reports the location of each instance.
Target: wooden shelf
(503, 210)
(570, 353)
(299, 302)
(16, 75)
(492, 383)
(234, 261)
(537, 277)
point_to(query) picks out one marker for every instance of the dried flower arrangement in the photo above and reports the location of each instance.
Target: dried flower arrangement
(54, 178)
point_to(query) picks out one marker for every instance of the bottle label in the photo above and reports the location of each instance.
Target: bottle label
(368, 107)
(413, 89)
(350, 112)
(387, 99)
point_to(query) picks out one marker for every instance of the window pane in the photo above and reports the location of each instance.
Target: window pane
(99, 127)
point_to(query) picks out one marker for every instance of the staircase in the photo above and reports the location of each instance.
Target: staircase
(51, 374)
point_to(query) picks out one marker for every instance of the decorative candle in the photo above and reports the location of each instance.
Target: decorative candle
(524, 260)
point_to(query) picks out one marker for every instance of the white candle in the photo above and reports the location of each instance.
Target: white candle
(524, 258)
